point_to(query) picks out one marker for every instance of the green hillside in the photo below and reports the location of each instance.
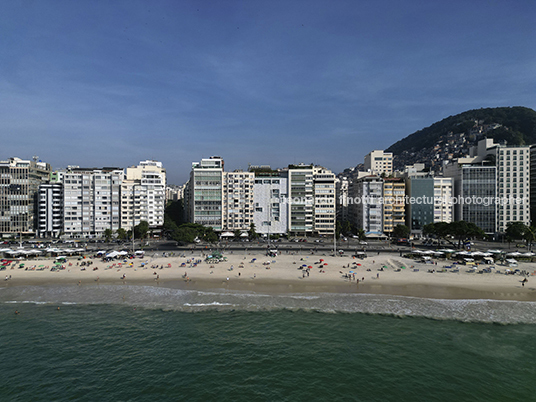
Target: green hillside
(518, 127)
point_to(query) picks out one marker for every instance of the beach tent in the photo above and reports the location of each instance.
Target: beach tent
(514, 254)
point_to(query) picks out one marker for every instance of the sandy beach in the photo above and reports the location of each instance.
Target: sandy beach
(377, 274)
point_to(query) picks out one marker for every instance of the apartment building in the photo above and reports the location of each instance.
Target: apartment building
(143, 195)
(434, 195)
(443, 205)
(379, 162)
(498, 171)
(301, 199)
(238, 200)
(513, 184)
(270, 196)
(19, 183)
(533, 184)
(341, 198)
(474, 179)
(205, 193)
(50, 210)
(324, 201)
(365, 205)
(92, 201)
(394, 206)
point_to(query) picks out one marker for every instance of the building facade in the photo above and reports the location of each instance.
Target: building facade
(325, 213)
(92, 201)
(366, 205)
(394, 205)
(19, 184)
(238, 200)
(270, 196)
(474, 181)
(205, 192)
(143, 195)
(379, 162)
(50, 210)
(301, 199)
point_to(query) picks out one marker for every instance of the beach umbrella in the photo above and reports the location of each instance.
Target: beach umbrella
(358, 264)
(325, 263)
(309, 267)
(321, 260)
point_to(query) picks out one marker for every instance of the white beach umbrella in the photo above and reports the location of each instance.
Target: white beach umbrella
(514, 254)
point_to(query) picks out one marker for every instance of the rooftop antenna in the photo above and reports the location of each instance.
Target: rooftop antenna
(35, 158)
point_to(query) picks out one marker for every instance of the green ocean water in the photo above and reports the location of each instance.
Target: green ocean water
(136, 351)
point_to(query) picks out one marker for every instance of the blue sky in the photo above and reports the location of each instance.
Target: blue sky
(110, 83)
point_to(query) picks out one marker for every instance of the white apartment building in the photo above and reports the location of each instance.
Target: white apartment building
(367, 214)
(443, 194)
(91, 201)
(175, 193)
(50, 210)
(513, 184)
(143, 195)
(238, 200)
(506, 177)
(270, 194)
(379, 162)
(205, 192)
(324, 201)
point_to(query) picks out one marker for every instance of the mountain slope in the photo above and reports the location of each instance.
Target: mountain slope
(513, 125)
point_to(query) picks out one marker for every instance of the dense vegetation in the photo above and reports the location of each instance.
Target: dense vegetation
(518, 128)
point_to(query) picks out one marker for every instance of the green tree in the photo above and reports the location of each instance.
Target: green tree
(140, 230)
(211, 236)
(251, 232)
(175, 212)
(121, 234)
(361, 235)
(463, 230)
(401, 231)
(170, 227)
(108, 234)
(185, 234)
(516, 231)
(237, 234)
(429, 230)
(347, 227)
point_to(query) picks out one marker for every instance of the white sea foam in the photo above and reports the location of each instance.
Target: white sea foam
(177, 299)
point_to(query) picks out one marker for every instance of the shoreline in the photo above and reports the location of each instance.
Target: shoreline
(378, 275)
